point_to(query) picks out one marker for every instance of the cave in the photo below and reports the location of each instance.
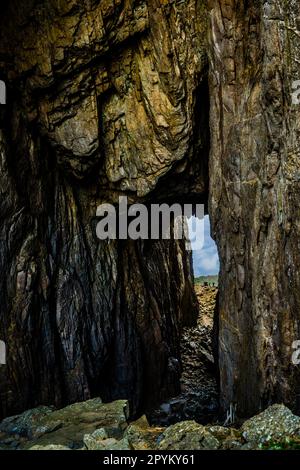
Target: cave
(198, 398)
(106, 100)
(83, 318)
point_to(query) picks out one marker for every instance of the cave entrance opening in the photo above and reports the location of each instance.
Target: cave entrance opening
(206, 264)
(199, 397)
(199, 342)
(190, 183)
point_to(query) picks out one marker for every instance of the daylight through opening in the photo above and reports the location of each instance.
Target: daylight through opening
(199, 398)
(206, 263)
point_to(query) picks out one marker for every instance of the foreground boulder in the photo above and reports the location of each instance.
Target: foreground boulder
(24, 424)
(188, 435)
(93, 425)
(49, 447)
(66, 427)
(277, 423)
(142, 436)
(100, 440)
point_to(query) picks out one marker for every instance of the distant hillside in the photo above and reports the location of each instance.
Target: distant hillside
(209, 279)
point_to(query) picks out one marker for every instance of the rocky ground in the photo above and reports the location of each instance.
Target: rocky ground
(93, 425)
(186, 422)
(199, 394)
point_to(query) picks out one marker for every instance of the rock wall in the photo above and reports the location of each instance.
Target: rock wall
(254, 198)
(111, 98)
(103, 100)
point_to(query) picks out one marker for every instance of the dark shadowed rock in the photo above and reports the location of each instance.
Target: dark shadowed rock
(198, 399)
(106, 99)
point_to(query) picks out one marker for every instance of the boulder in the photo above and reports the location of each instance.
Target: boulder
(276, 423)
(188, 435)
(23, 424)
(67, 427)
(49, 447)
(99, 440)
(142, 436)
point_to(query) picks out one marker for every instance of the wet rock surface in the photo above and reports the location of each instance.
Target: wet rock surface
(255, 198)
(115, 98)
(93, 425)
(274, 424)
(188, 435)
(142, 436)
(199, 392)
(104, 100)
(66, 427)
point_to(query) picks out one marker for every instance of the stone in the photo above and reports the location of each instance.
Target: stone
(24, 423)
(276, 423)
(220, 432)
(93, 442)
(198, 399)
(254, 200)
(114, 114)
(98, 434)
(84, 418)
(130, 98)
(94, 425)
(69, 426)
(142, 436)
(232, 444)
(49, 447)
(188, 435)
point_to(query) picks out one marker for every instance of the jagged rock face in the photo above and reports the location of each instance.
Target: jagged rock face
(110, 98)
(255, 194)
(104, 99)
(111, 84)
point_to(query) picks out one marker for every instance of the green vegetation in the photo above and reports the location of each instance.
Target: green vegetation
(210, 280)
(287, 444)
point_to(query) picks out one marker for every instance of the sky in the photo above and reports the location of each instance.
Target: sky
(205, 254)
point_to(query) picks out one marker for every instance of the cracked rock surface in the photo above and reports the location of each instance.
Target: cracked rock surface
(128, 97)
(102, 99)
(255, 193)
(198, 399)
(94, 425)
